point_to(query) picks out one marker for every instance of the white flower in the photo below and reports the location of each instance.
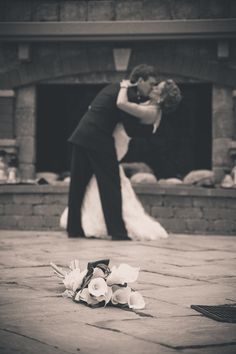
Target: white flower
(84, 295)
(123, 274)
(97, 287)
(121, 296)
(136, 301)
(73, 280)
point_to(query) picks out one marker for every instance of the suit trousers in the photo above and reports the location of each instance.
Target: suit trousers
(104, 165)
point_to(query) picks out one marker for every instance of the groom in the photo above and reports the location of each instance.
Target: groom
(94, 152)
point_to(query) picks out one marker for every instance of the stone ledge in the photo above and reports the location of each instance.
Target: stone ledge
(9, 145)
(187, 190)
(152, 189)
(7, 93)
(32, 189)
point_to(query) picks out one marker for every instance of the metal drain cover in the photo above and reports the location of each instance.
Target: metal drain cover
(223, 313)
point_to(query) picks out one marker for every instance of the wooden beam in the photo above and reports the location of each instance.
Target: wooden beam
(118, 30)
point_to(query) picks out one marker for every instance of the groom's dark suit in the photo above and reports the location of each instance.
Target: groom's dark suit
(94, 153)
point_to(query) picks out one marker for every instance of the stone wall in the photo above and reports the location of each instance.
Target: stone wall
(180, 210)
(196, 60)
(110, 10)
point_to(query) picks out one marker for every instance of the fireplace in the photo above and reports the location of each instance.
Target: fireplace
(181, 144)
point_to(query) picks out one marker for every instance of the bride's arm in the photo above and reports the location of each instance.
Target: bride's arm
(149, 114)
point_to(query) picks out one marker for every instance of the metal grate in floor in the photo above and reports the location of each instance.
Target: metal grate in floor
(223, 313)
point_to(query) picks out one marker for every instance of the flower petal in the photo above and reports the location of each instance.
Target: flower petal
(136, 301)
(123, 274)
(85, 296)
(107, 297)
(130, 273)
(121, 296)
(114, 277)
(97, 287)
(73, 280)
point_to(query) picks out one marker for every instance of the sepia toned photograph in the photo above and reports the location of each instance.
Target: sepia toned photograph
(118, 176)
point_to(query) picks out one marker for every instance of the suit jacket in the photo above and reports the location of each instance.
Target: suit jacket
(95, 129)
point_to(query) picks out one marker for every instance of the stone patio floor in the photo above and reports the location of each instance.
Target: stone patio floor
(175, 273)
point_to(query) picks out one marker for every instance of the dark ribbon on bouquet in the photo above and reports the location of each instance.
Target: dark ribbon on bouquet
(101, 264)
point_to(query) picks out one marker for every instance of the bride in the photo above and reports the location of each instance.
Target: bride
(140, 226)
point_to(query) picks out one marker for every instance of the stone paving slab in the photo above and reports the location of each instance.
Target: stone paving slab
(175, 273)
(182, 331)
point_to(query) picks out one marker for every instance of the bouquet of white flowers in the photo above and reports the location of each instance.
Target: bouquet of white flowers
(98, 285)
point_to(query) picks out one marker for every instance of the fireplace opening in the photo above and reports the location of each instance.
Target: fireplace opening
(59, 109)
(181, 144)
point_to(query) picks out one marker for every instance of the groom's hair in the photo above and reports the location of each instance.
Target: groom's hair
(144, 71)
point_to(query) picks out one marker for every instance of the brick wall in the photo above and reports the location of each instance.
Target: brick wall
(31, 208)
(180, 210)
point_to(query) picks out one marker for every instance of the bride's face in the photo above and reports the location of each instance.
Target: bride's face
(156, 92)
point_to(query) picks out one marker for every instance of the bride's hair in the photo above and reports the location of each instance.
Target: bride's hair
(169, 98)
(142, 70)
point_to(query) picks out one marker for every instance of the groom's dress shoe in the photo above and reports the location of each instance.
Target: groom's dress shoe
(126, 239)
(121, 238)
(75, 235)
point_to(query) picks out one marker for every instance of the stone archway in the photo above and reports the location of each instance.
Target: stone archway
(89, 61)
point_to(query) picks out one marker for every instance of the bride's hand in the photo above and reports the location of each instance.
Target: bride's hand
(126, 84)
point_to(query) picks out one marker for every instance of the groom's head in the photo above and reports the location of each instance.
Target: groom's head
(145, 77)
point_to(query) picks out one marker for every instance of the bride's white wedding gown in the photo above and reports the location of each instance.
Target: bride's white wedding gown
(139, 225)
